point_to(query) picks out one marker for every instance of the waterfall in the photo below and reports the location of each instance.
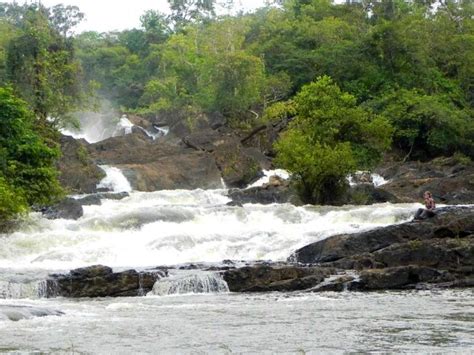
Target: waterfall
(114, 180)
(196, 282)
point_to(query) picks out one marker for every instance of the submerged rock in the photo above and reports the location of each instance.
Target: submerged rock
(16, 313)
(101, 281)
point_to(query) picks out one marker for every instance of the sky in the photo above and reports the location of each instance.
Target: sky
(109, 15)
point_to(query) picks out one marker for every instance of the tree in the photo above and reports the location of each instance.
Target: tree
(41, 66)
(426, 126)
(27, 172)
(156, 25)
(329, 137)
(184, 12)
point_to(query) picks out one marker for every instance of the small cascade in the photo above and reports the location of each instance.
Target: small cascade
(19, 290)
(114, 180)
(124, 127)
(363, 177)
(163, 130)
(267, 174)
(196, 282)
(48, 289)
(379, 180)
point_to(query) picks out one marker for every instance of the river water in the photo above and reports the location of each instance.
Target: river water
(179, 227)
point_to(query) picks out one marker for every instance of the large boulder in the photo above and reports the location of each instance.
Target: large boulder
(78, 172)
(191, 170)
(101, 281)
(239, 166)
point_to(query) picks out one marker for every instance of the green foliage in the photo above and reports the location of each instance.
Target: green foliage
(27, 173)
(11, 202)
(428, 125)
(329, 137)
(40, 61)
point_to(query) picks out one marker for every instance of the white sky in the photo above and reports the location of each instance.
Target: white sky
(109, 15)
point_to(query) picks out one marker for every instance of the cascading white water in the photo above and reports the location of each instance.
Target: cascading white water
(180, 226)
(267, 174)
(190, 282)
(376, 179)
(114, 180)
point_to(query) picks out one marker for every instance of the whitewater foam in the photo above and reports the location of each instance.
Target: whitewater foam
(114, 180)
(181, 226)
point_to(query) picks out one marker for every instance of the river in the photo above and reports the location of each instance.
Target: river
(182, 227)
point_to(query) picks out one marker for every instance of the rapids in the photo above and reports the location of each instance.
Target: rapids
(181, 226)
(191, 310)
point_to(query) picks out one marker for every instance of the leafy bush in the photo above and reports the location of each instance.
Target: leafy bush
(329, 138)
(426, 126)
(27, 172)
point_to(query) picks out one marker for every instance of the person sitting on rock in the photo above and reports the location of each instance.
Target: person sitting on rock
(428, 212)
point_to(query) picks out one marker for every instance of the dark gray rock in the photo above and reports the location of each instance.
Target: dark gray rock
(438, 252)
(68, 208)
(101, 281)
(266, 278)
(277, 191)
(449, 223)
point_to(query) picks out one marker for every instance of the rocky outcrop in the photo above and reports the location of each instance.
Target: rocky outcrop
(191, 170)
(438, 252)
(68, 208)
(450, 180)
(276, 191)
(101, 281)
(239, 166)
(96, 199)
(78, 172)
(266, 278)
(455, 222)
(154, 165)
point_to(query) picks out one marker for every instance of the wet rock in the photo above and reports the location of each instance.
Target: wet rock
(78, 172)
(449, 223)
(276, 191)
(414, 255)
(68, 208)
(266, 278)
(101, 281)
(368, 194)
(402, 277)
(96, 199)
